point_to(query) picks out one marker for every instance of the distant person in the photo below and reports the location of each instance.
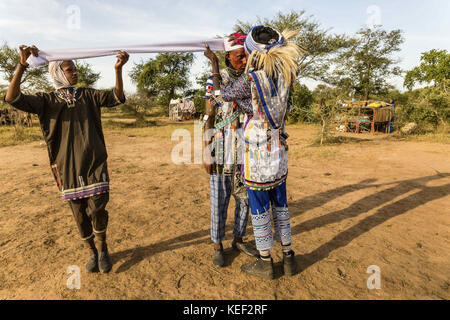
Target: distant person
(225, 150)
(70, 120)
(391, 125)
(263, 92)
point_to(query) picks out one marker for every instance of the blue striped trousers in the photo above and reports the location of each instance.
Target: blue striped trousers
(221, 189)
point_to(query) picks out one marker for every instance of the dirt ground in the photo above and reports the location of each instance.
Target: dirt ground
(374, 201)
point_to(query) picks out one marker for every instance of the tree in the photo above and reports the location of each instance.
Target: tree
(302, 104)
(198, 97)
(367, 64)
(163, 76)
(434, 69)
(86, 76)
(435, 99)
(319, 44)
(3, 89)
(33, 79)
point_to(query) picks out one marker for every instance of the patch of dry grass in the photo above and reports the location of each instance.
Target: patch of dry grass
(435, 137)
(155, 127)
(14, 135)
(298, 152)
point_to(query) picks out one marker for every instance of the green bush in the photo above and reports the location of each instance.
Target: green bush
(302, 105)
(138, 105)
(199, 101)
(423, 117)
(428, 107)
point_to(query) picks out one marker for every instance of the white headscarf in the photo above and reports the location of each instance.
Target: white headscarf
(237, 38)
(57, 74)
(229, 46)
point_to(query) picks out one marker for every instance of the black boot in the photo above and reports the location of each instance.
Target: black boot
(246, 248)
(290, 264)
(92, 265)
(259, 268)
(218, 258)
(104, 261)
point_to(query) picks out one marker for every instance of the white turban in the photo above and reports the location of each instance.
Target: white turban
(229, 46)
(252, 44)
(57, 74)
(235, 41)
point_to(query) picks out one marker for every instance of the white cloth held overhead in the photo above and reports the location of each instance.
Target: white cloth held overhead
(83, 53)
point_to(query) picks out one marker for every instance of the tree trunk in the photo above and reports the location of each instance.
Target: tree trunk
(324, 120)
(171, 94)
(366, 95)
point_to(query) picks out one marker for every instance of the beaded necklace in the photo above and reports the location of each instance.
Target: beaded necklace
(66, 95)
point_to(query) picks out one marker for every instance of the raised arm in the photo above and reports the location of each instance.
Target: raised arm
(122, 58)
(210, 110)
(14, 87)
(217, 79)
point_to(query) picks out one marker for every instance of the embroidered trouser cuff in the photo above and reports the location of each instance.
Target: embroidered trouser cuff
(262, 229)
(282, 224)
(260, 203)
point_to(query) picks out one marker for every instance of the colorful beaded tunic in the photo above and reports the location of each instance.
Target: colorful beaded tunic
(266, 101)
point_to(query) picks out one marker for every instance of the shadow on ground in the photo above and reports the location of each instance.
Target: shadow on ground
(422, 196)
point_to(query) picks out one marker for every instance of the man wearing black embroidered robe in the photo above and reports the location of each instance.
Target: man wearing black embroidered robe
(70, 120)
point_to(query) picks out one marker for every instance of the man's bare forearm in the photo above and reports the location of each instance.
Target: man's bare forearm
(119, 85)
(14, 87)
(217, 79)
(209, 124)
(122, 58)
(211, 112)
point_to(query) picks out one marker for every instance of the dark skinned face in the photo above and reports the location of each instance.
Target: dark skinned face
(238, 59)
(70, 70)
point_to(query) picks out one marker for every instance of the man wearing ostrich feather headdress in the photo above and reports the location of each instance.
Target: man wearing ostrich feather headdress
(263, 92)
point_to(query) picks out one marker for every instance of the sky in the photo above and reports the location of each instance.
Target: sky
(52, 24)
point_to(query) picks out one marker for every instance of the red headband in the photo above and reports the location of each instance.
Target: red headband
(238, 38)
